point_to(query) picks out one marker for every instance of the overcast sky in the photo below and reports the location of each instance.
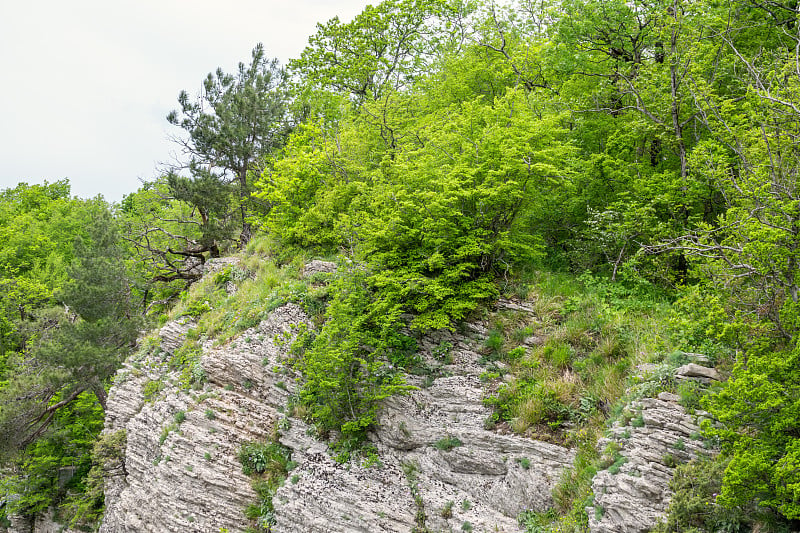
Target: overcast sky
(85, 85)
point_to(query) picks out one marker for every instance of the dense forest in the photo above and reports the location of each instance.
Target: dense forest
(445, 153)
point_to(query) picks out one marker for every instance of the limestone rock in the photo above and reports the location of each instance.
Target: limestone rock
(173, 334)
(668, 397)
(182, 447)
(318, 267)
(181, 454)
(633, 494)
(484, 469)
(695, 371)
(217, 264)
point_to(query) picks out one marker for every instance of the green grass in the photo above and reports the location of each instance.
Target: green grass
(446, 444)
(264, 283)
(594, 333)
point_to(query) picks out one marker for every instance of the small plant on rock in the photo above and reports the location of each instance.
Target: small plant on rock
(446, 444)
(447, 510)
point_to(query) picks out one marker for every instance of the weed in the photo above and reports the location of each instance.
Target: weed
(447, 510)
(537, 522)
(411, 470)
(557, 354)
(494, 344)
(210, 414)
(446, 444)
(517, 353)
(270, 463)
(524, 462)
(520, 334)
(466, 526)
(599, 511)
(690, 393)
(619, 460)
(466, 505)
(444, 352)
(151, 389)
(165, 431)
(489, 376)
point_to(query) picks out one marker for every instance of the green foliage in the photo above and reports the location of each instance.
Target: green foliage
(447, 150)
(54, 470)
(186, 359)
(238, 119)
(344, 381)
(76, 345)
(383, 48)
(85, 508)
(151, 389)
(758, 410)
(693, 506)
(269, 465)
(446, 444)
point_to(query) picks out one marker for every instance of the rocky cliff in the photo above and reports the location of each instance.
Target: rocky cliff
(437, 466)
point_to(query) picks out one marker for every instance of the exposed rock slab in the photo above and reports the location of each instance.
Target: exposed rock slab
(632, 497)
(480, 481)
(698, 372)
(181, 455)
(189, 477)
(317, 266)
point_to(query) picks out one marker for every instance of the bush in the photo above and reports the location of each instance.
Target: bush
(446, 444)
(270, 458)
(269, 464)
(693, 506)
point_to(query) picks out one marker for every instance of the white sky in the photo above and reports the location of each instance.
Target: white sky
(85, 85)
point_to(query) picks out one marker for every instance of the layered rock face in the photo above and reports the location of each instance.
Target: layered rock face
(633, 493)
(182, 473)
(437, 467)
(181, 467)
(440, 468)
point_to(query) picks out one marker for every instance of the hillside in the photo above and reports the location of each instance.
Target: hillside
(184, 426)
(457, 266)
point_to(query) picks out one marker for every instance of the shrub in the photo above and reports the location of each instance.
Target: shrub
(494, 344)
(270, 458)
(447, 510)
(270, 464)
(151, 389)
(694, 506)
(447, 443)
